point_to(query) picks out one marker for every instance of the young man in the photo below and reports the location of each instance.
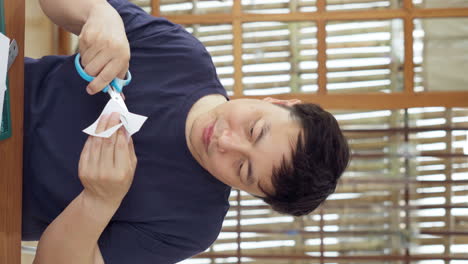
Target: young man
(99, 206)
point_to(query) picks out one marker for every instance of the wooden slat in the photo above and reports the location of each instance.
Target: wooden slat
(155, 8)
(200, 19)
(409, 64)
(294, 51)
(408, 4)
(440, 12)
(449, 220)
(11, 150)
(380, 101)
(321, 50)
(64, 47)
(328, 15)
(237, 46)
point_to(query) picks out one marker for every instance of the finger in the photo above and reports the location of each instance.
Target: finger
(108, 146)
(96, 147)
(88, 55)
(97, 63)
(102, 124)
(84, 157)
(95, 68)
(121, 153)
(109, 72)
(95, 152)
(131, 149)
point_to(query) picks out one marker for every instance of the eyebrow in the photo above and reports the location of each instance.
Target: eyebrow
(265, 130)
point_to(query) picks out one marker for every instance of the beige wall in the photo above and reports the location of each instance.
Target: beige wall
(40, 33)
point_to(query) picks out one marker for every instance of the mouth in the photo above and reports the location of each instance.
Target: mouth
(207, 134)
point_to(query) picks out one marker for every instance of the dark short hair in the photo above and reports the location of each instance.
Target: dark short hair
(320, 157)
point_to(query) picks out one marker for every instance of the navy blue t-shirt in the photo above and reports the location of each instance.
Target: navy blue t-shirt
(174, 208)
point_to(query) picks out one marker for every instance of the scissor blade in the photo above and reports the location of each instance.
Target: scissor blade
(117, 97)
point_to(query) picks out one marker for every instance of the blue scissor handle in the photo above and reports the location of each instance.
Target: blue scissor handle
(117, 83)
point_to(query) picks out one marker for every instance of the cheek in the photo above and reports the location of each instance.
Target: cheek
(218, 166)
(222, 169)
(238, 113)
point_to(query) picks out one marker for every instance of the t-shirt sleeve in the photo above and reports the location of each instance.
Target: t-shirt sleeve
(123, 243)
(139, 24)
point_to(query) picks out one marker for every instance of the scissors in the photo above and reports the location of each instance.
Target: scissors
(113, 89)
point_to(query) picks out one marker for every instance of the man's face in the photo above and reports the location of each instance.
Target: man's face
(241, 141)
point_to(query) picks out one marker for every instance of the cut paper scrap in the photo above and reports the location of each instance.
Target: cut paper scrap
(131, 122)
(4, 48)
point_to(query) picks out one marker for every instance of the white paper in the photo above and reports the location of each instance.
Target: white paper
(4, 48)
(131, 122)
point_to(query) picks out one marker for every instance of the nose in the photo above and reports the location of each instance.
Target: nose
(230, 141)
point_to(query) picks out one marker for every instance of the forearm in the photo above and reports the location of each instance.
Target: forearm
(72, 237)
(70, 14)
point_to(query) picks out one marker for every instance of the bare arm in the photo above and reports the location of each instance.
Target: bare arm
(72, 237)
(70, 14)
(106, 170)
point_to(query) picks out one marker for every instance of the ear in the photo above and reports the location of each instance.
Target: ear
(289, 102)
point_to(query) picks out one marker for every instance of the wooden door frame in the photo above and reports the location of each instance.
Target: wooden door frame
(11, 149)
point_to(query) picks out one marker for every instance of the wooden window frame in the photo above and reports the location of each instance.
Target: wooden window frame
(396, 100)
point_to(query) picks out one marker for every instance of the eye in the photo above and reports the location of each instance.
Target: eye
(240, 167)
(252, 127)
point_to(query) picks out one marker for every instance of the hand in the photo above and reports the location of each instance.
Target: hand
(107, 165)
(104, 47)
